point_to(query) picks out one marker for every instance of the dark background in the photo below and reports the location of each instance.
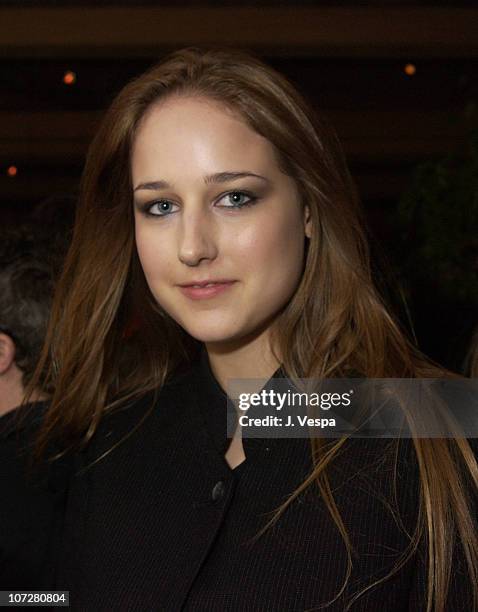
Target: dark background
(410, 139)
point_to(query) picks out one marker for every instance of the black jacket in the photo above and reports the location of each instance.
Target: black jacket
(162, 523)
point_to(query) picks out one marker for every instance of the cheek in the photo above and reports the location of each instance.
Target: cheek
(151, 255)
(276, 253)
(272, 255)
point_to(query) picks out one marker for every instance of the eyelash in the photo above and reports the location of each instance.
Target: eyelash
(252, 200)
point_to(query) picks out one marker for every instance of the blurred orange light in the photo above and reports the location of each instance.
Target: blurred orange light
(410, 69)
(12, 171)
(69, 78)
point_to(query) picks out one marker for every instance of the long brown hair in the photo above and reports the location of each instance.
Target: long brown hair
(336, 322)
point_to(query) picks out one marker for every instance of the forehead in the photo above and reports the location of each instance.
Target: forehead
(197, 134)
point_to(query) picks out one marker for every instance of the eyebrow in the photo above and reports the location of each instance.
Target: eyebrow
(219, 177)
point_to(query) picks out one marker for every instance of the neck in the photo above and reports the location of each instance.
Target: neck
(11, 398)
(250, 358)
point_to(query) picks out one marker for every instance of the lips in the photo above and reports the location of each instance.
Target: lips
(206, 283)
(206, 289)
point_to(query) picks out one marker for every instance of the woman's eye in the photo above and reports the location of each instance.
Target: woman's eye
(236, 198)
(160, 208)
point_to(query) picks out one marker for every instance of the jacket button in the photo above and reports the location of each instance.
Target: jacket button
(218, 491)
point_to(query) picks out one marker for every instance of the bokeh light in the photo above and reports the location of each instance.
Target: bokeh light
(69, 78)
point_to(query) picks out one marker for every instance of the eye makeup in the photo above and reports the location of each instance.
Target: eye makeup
(147, 207)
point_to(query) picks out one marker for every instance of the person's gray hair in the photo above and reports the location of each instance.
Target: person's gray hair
(26, 289)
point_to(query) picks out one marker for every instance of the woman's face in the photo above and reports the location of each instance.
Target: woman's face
(212, 206)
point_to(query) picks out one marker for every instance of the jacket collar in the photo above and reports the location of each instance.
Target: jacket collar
(213, 404)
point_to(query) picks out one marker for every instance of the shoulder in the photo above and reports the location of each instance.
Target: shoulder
(26, 418)
(159, 412)
(18, 471)
(18, 430)
(32, 501)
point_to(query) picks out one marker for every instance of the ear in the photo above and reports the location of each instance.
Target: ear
(307, 222)
(7, 352)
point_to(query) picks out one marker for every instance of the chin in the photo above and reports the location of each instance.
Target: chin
(212, 336)
(213, 331)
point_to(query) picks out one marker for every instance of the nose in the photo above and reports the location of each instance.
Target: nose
(196, 238)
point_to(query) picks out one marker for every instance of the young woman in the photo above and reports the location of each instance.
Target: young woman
(219, 235)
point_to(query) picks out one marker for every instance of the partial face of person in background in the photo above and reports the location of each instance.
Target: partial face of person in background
(212, 206)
